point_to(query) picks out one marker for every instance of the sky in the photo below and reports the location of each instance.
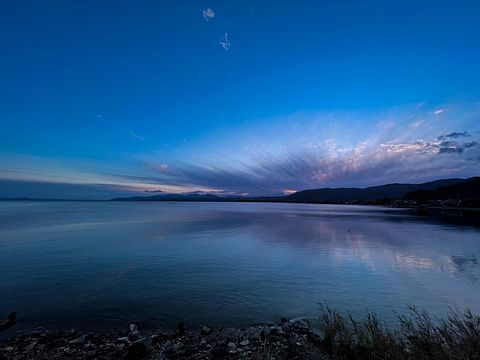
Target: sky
(110, 98)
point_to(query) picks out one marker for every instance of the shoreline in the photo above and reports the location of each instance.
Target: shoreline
(286, 339)
(419, 336)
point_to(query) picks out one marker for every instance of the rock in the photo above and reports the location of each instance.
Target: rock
(181, 329)
(293, 339)
(230, 333)
(219, 351)
(5, 324)
(315, 339)
(123, 339)
(136, 351)
(133, 326)
(78, 340)
(282, 355)
(300, 324)
(206, 330)
(252, 332)
(133, 330)
(147, 341)
(30, 346)
(155, 339)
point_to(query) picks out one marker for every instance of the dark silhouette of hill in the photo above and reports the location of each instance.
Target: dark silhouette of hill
(468, 189)
(391, 191)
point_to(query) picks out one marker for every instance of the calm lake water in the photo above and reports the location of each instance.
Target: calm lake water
(97, 264)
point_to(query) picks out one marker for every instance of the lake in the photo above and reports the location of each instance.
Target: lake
(91, 265)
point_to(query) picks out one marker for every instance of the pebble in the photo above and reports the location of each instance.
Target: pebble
(206, 330)
(30, 346)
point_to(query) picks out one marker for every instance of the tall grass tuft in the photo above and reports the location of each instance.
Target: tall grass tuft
(417, 336)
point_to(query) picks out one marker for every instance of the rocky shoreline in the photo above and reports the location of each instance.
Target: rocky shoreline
(416, 336)
(288, 339)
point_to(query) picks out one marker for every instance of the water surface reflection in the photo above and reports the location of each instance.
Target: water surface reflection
(92, 264)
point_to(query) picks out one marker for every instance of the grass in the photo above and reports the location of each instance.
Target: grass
(418, 336)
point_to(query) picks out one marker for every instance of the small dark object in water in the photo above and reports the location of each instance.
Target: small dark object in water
(181, 329)
(5, 324)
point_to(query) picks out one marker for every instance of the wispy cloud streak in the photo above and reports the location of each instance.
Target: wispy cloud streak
(136, 136)
(333, 150)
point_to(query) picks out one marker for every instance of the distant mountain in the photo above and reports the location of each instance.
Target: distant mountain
(15, 199)
(174, 197)
(467, 189)
(455, 188)
(325, 195)
(39, 199)
(392, 191)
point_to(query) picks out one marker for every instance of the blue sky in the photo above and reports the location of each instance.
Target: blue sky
(238, 97)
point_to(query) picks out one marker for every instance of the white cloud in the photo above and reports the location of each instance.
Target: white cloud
(225, 43)
(208, 14)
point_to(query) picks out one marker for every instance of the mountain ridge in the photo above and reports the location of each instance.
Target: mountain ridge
(343, 194)
(392, 191)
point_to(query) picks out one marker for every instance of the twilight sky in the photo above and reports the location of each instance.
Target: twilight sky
(108, 98)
